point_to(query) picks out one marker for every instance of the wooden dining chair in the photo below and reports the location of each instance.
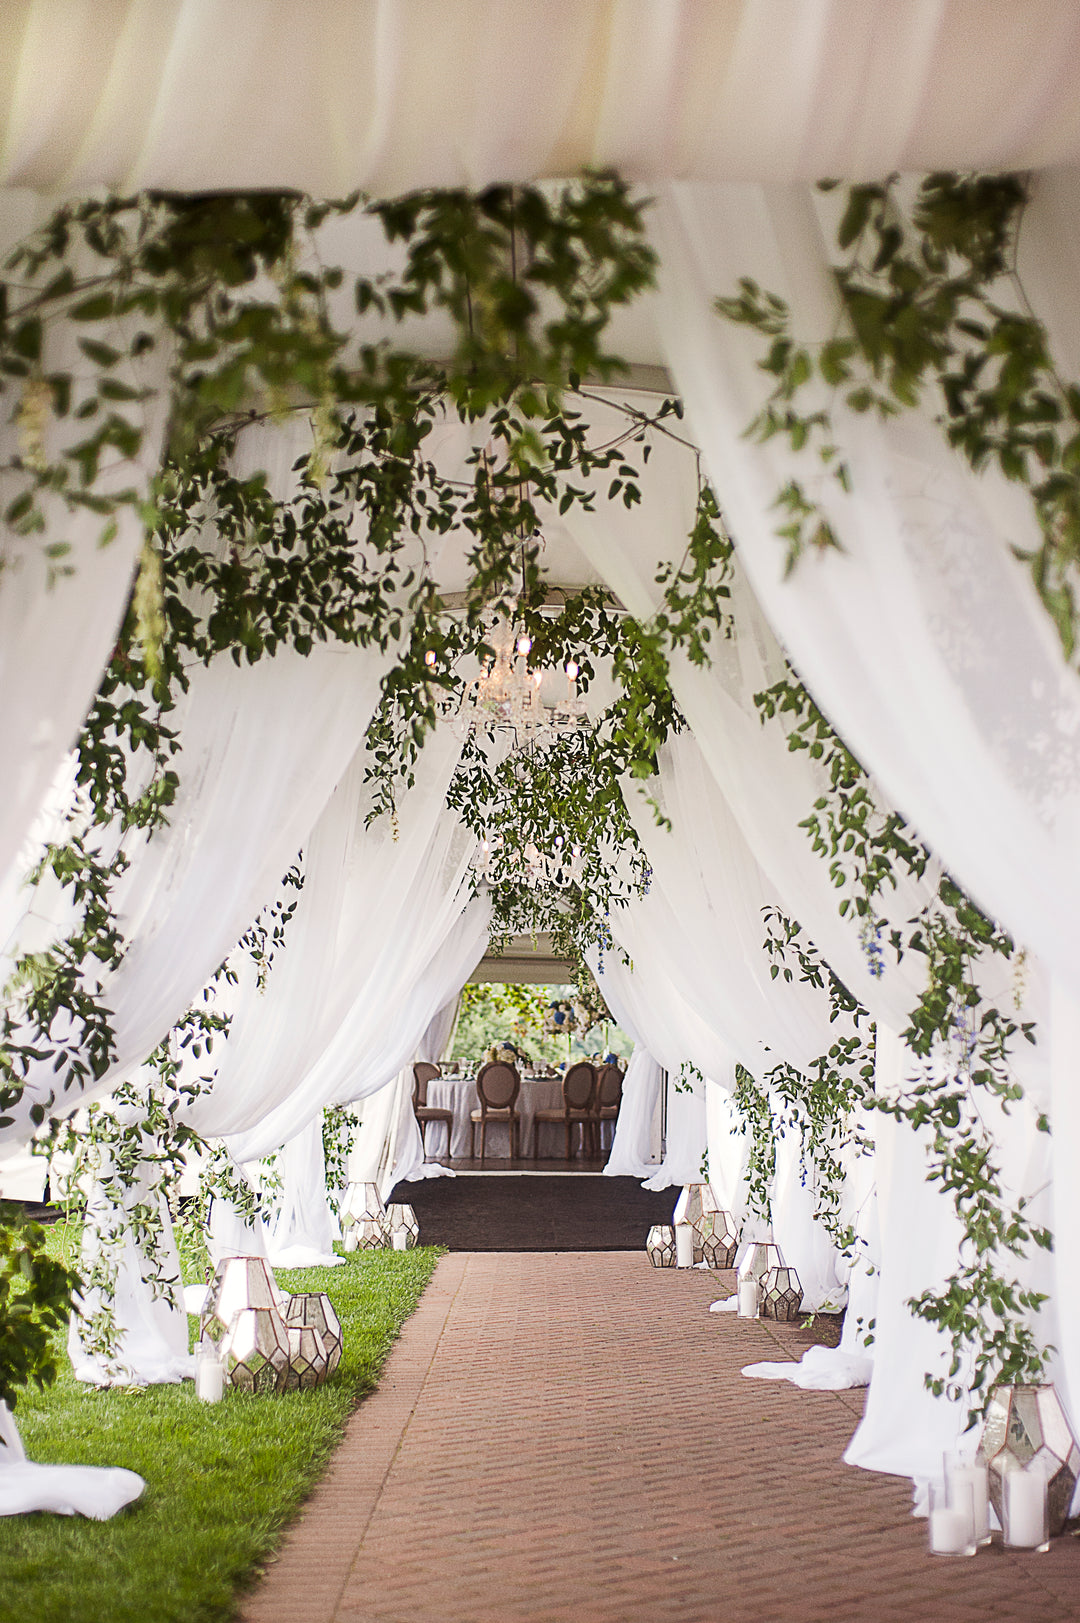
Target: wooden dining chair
(423, 1073)
(609, 1083)
(497, 1086)
(579, 1091)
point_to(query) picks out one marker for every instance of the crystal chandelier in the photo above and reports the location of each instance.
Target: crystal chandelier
(561, 867)
(507, 693)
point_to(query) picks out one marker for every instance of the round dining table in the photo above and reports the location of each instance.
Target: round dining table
(458, 1093)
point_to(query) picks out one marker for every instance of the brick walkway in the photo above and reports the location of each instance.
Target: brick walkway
(566, 1438)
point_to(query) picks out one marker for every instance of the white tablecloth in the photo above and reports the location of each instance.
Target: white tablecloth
(458, 1093)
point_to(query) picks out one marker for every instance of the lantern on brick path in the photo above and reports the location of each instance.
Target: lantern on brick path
(402, 1225)
(781, 1292)
(694, 1204)
(314, 1309)
(719, 1239)
(1025, 1428)
(760, 1256)
(661, 1245)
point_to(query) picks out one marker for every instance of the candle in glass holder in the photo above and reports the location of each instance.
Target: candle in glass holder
(749, 1297)
(974, 1474)
(209, 1378)
(684, 1245)
(399, 1239)
(351, 1237)
(1024, 1524)
(950, 1523)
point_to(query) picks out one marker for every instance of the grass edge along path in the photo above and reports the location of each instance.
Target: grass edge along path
(222, 1481)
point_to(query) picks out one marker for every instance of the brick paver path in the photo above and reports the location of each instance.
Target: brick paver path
(568, 1437)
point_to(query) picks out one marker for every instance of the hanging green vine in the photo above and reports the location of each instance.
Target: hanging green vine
(964, 1042)
(932, 312)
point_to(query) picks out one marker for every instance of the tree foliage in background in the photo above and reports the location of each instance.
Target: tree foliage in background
(36, 1293)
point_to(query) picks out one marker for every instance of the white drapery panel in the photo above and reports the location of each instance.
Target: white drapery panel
(152, 1328)
(421, 951)
(263, 747)
(713, 925)
(303, 1230)
(390, 95)
(366, 892)
(59, 615)
(97, 1491)
(923, 641)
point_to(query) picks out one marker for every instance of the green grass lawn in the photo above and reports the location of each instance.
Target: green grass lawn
(222, 1480)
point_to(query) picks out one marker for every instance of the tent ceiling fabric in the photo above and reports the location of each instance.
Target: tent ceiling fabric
(390, 95)
(527, 961)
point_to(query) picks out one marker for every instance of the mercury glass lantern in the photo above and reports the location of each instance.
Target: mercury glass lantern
(401, 1219)
(362, 1204)
(309, 1361)
(240, 1283)
(695, 1203)
(255, 1350)
(315, 1308)
(719, 1239)
(1025, 1424)
(781, 1291)
(661, 1245)
(761, 1255)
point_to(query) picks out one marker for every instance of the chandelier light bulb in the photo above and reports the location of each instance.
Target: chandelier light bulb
(429, 658)
(572, 668)
(524, 643)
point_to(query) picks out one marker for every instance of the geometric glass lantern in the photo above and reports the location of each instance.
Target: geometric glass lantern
(661, 1246)
(240, 1282)
(255, 1350)
(361, 1203)
(1025, 1423)
(370, 1234)
(781, 1292)
(761, 1255)
(314, 1308)
(719, 1239)
(695, 1203)
(401, 1219)
(309, 1361)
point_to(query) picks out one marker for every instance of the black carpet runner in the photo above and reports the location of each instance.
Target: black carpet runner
(568, 1212)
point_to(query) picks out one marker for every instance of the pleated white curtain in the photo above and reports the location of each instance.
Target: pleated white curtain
(391, 95)
(59, 615)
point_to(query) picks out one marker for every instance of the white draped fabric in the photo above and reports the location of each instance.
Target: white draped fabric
(152, 1340)
(302, 1231)
(390, 95)
(96, 1491)
(368, 893)
(263, 747)
(59, 614)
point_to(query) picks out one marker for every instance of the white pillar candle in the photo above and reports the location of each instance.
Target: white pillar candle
(209, 1379)
(350, 1237)
(960, 1476)
(949, 1523)
(749, 1297)
(399, 1240)
(684, 1245)
(1023, 1504)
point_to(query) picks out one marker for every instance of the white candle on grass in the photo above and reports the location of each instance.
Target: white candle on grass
(209, 1379)
(684, 1245)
